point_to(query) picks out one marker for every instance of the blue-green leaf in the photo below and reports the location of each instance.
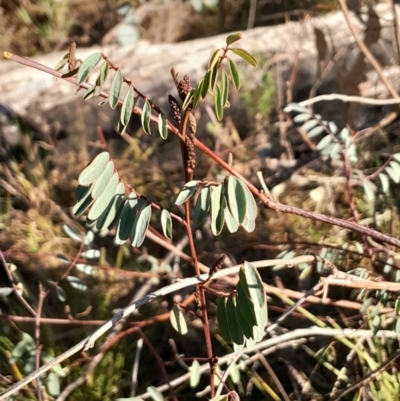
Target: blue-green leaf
(195, 374)
(5, 291)
(166, 223)
(162, 126)
(384, 182)
(230, 222)
(202, 206)
(88, 65)
(178, 321)
(254, 285)
(102, 182)
(108, 215)
(186, 192)
(155, 394)
(141, 223)
(251, 206)
(145, 117)
(102, 202)
(302, 117)
(53, 384)
(127, 107)
(235, 330)
(94, 169)
(115, 89)
(218, 204)
(76, 283)
(236, 197)
(126, 219)
(222, 320)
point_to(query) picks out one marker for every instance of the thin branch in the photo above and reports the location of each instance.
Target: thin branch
(349, 99)
(135, 369)
(278, 207)
(368, 55)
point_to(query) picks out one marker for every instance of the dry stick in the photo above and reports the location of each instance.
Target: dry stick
(365, 50)
(89, 341)
(349, 99)
(278, 207)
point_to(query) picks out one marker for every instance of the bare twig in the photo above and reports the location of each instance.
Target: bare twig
(349, 99)
(368, 55)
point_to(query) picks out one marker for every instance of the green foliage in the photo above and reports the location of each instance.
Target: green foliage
(242, 316)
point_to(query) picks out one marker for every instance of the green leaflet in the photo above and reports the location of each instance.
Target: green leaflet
(115, 89)
(218, 204)
(214, 58)
(213, 78)
(245, 55)
(186, 192)
(245, 304)
(162, 126)
(251, 206)
(177, 320)
(141, 223)
(235, 329)
(218, 103)
(102, 202)
(127, 107)
(222, 320)
(197, 93)
(202, 206)
(101, 78)
(94, 169)
(166, 223)
(206, 84)
(224, 88)
(233, 37)
(236, 199)
(110, 213)
(230, 222)
(83, 204)
(195, 374)
(88, 65)
(254, 285)
(126, 219)
(101, 183)
(145, 117)
(234, 74)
